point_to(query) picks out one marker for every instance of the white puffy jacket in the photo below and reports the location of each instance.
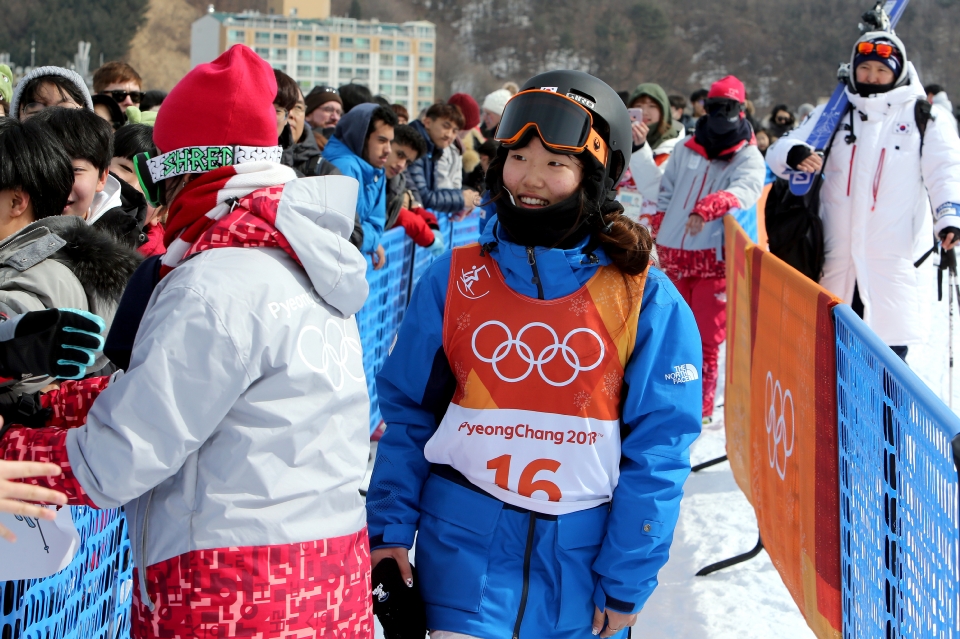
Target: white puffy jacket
(646, 168)
(875, 204)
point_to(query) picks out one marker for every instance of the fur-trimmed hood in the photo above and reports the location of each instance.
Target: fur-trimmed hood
(99, 261)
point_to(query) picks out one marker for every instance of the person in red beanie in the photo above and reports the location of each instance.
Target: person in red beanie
(237, 438)
(713, 172)
(469, 137)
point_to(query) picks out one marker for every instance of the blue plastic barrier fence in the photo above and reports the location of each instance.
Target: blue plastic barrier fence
(89, 599)
(898, 494)
(747, 219)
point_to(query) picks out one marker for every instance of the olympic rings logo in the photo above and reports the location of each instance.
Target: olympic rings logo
(546, 356)
(332, 358)
(781, 429)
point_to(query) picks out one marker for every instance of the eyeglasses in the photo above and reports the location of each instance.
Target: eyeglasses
(882, 50)
(120, 96)
(281, 111)
(563, 124)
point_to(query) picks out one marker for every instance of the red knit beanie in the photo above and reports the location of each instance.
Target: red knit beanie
(729, 88)
(227, 102)
(469, 108)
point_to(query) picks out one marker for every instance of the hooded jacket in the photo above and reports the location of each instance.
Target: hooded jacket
(640, 185)
(470, 546)
(345, 150)
(875, 203)
(425, 178)
(61, 262)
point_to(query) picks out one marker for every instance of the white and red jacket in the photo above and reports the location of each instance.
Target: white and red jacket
(237, 439)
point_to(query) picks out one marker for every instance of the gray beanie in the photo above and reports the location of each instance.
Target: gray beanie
(73, 76)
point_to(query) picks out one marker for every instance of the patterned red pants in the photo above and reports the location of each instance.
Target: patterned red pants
(314, 589)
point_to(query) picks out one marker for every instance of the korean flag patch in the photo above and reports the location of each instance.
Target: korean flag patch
(903, 128)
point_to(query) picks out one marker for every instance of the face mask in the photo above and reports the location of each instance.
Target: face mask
(866, 90)
(720, 124)
(556, 226)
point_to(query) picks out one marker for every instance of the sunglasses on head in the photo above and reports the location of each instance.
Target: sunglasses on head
(120, 96)
(881, 49)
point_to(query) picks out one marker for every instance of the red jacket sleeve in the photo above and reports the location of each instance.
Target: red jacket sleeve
(655, 221)
(72, 401)
(430, 218)
(45, 445)
(716, 205)
(416, 227)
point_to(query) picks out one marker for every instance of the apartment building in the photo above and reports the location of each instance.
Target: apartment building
(305, 42)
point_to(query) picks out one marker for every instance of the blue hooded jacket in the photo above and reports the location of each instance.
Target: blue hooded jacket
(423, 175)
(345, 151)
(471, 546)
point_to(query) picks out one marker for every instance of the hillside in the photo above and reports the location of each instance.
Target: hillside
(785, 51)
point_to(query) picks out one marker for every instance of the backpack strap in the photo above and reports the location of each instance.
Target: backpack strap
(922, 114)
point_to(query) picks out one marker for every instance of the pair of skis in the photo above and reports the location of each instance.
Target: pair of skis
(883, 17)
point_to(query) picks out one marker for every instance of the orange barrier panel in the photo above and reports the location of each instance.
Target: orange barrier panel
(790, 463)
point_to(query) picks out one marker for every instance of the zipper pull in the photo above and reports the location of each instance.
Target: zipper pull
(532, 261)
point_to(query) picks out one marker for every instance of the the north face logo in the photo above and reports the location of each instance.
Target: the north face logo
(683, 374)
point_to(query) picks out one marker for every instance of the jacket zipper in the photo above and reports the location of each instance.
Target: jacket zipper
(876, 179)
(853, 154)
(531, 528)
(532, 261)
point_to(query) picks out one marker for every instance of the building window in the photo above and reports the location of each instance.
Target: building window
(304, 70)
(322, 41)
(401, 90)
(386, 60)
(307, 40)
(386, 89)
(363, 58)
(279, 66)
(403, 76)
(261, 37)
(346, 57)
(362, 74)
(386, 45)
(423, 104)
(346, 73)
(236, 35)
(424, 92)
(263, 52)
(306, 85)
(361, 43)
(402, 103)
(280, 54)
(426, 47)
(386, 74)
(403, 60)
(321, 56)
(279, 38)
(321, 72)
(403, 45)
(425, 61)
(346, 43)
(425, 76)
(304, 55)
(424, 32)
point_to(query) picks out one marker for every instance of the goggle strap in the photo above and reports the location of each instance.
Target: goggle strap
(201, 159)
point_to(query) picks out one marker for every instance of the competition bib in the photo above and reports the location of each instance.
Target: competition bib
(535, 418)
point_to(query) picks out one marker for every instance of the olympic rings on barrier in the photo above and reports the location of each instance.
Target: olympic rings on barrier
(338, 355)
(775, 399)
(546, 356)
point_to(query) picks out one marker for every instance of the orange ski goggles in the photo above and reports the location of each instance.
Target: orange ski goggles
(564, 125)
(883, 50)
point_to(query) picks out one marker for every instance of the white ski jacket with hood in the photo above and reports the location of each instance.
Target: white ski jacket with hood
(875, 203)
(243, 419)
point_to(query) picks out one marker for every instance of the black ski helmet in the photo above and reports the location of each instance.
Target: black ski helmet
(610, 117)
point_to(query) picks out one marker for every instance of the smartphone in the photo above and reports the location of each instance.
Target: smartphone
(636, 115)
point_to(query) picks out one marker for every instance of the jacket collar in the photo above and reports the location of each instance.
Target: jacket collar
(336, 149)
(695, 146)
(108, 198)
(561, 271)
(431, 147)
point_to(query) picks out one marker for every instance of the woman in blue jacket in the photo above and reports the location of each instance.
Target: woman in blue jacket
(542, 394)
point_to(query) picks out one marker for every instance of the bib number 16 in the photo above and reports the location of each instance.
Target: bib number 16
(528, 482)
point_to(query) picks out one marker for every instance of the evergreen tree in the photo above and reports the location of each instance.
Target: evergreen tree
(355, 11)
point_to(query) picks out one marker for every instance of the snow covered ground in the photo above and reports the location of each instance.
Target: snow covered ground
(716, 522)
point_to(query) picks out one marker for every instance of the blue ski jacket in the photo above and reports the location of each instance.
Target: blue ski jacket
(345, 151)
(423, 175)
(480, 561)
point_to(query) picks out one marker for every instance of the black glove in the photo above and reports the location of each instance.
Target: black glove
(398, 607)
(797, 154)
(22, 410)
(947, 231)
(57, 342)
